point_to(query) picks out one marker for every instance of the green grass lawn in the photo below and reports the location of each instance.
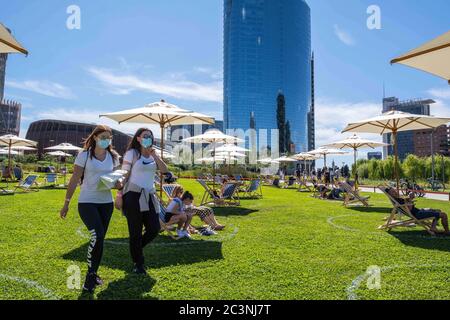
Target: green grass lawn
(285, 246)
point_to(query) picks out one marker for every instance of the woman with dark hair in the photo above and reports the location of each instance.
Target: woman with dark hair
(138, 200)
(94, 206)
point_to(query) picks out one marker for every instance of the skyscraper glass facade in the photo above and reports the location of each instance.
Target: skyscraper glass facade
(267, 50)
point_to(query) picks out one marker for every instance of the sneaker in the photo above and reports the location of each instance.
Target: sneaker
(139, 269)
(186, 234)
(90, 283)
(180, 233)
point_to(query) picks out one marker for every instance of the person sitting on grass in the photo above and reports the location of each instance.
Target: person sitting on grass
(422, 213)
(176, 213)
(205, 214)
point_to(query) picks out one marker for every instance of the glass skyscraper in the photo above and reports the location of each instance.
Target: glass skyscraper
(267, 50)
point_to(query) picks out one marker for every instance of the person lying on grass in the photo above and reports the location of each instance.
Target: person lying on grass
(422, 213)
(176, 213)
(206, 214)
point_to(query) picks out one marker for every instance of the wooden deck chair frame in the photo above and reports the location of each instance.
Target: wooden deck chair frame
(230, 198)
(165, 227)
(26, 186)
(208, 195)
(403, 210)
(254, 189)
(352, 196)
(302, 185)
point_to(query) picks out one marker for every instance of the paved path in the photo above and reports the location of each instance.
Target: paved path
(434, 196)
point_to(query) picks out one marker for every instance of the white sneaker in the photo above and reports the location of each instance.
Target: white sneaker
(186, 234)
(180, 233)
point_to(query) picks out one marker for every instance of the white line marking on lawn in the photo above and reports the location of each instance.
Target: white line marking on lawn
(356, 283)
(168, 244)
(32, 284)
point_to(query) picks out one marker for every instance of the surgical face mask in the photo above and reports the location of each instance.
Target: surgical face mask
(104, 143)
(147, 142)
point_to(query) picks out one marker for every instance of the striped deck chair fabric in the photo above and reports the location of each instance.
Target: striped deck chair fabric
(253, 190)
(27, 183)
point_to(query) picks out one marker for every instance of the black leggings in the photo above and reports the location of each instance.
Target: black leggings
(96, 217)
(136, 221)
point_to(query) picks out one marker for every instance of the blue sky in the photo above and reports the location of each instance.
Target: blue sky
(129, 53)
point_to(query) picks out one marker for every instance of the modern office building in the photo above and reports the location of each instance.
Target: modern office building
(311, 113)
(3, 57)
(49, 133)
(374, 155)
(410, 142)
(10, 113)
(267, 50)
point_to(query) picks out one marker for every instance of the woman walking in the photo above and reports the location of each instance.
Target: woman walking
(94, 206)
(138, 200)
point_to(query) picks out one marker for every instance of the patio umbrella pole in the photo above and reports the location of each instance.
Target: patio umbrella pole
(396, 173)
(162, 158)
(214, 166)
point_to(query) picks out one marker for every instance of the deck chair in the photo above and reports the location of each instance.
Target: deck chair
(290, 183)
(253, 190)
(27, 184)
(165, 227)
(208, 194)
(402, 210)
(352, 195)
(51, 178)
(303, 185)
(229, 197)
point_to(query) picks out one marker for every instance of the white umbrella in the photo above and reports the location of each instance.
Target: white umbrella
(432, 57)
(162, 113)
(8, 44)
(285, 159)
(59, 154)
(323, 152)
(211, 159)
(23, 148)
(5, 152)
(231, 148)
(305, 157)
(355, 143)
(268, 161)
(394, 122)
(65, 147)
(11, 141)
(213, 136)
(230, 154)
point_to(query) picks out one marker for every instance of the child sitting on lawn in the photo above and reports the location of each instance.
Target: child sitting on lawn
(206, 214)
(176, 213)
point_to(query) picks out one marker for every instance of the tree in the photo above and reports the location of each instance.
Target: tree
(281, 122)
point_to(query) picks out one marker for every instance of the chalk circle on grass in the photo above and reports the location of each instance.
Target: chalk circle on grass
(47, 293)
(356, 283)
(215, 238)
(381, 233)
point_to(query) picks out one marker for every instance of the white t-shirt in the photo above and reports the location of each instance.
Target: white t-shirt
(95, 168)
(174, 203)
(143, 170)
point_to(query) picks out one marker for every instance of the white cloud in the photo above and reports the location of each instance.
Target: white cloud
(90, 116)
(46, 88)
(332, 117)
(344, 36)
(440, 93)
(177, 86)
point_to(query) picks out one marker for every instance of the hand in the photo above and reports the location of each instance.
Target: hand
(118, 204)
(118, 185)
(64, 210)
